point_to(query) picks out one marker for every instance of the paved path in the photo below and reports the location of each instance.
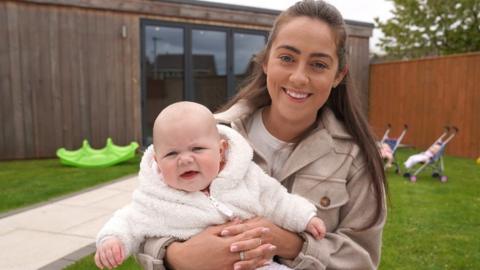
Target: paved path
(43, 237)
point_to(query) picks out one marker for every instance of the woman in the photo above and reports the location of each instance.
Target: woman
(299, 113)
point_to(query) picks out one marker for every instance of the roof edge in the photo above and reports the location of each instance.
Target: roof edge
(250, 9)
(222, 6)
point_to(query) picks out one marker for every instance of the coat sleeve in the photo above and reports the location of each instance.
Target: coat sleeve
(122, 226)
(289, 211)
(131, 223)
(152, 253)
(353, 244)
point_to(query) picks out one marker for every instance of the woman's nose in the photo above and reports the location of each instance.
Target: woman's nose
(299, 76)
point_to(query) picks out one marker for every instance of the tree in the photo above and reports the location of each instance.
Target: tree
(422, 28)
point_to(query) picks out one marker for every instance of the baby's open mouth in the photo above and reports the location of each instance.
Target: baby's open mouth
(188, 174)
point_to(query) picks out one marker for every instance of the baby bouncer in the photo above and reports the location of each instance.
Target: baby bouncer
(432, 158)
(388, 147)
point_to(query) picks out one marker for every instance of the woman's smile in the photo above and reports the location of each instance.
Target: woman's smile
(296, 95)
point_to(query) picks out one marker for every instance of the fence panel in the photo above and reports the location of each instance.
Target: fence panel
(428, 94)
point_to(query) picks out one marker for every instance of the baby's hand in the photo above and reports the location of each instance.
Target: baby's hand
(316, 227)
(110, 253)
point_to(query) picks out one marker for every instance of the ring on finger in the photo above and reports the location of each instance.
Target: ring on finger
(242, 256)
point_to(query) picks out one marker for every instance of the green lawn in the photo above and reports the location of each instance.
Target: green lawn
(26, 182)
(433, 225)
(88, 263)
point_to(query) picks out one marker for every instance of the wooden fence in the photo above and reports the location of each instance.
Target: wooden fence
(429, 94)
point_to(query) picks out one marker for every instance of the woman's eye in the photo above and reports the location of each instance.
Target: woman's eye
(318, 65)
(286, 58)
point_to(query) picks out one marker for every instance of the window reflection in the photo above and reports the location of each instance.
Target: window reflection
(245, 47)
(210, 75)
(164, 68)
(209, 53)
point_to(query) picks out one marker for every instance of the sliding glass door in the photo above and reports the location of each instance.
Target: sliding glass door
(163, 72)
(209, 62)
(199, 63)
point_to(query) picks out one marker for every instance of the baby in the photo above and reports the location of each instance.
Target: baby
(195, 175)
(423, 156)
(387, 154)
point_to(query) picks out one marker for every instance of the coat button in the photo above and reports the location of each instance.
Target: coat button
(325, 201)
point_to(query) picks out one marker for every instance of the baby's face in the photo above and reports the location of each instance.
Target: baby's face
(189, 156)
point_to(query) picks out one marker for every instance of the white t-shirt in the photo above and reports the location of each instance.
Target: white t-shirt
(275, 151)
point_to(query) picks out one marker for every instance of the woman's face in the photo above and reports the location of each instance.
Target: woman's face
(301, 69)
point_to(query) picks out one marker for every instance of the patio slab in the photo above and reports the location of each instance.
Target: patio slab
(27, 249)
(53, 218)
(45, 237)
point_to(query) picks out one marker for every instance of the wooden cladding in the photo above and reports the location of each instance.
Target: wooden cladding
(180, 9)
(66, 75)
(428, 94)
(69, 71)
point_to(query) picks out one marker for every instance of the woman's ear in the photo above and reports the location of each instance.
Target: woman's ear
(340, 76)
(264, 68)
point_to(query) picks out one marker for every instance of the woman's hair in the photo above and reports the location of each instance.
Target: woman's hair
(342, 100)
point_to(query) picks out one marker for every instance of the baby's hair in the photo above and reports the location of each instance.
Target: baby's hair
(181, 111)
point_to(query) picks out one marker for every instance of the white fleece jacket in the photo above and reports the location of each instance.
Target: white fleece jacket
(241, 186)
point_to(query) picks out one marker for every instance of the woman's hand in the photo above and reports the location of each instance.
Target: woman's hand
(252, 244)
(206, 250)
(211, 250)
(274, 241)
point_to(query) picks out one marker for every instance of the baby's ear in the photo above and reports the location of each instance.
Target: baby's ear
(156, 163)
(223, 146)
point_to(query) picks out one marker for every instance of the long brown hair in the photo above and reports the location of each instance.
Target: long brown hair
(342, 100)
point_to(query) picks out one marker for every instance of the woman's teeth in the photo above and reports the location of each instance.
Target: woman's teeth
(296, 94)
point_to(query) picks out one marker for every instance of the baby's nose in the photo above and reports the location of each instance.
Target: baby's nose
(185, 159)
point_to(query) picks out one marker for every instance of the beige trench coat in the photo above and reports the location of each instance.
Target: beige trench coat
(327, 169)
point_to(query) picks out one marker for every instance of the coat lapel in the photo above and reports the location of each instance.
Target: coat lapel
(316, 145)
(310, 149)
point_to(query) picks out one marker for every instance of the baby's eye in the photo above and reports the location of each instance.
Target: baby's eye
(286, 58)
(171, 154)
(198, 148)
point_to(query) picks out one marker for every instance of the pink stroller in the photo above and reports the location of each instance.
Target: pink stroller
(388, 147)
(432, 158)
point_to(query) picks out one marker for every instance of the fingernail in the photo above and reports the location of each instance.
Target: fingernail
(272, 247)
(224, 233)
(233, 248)
(265, 230)
(236, 267)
